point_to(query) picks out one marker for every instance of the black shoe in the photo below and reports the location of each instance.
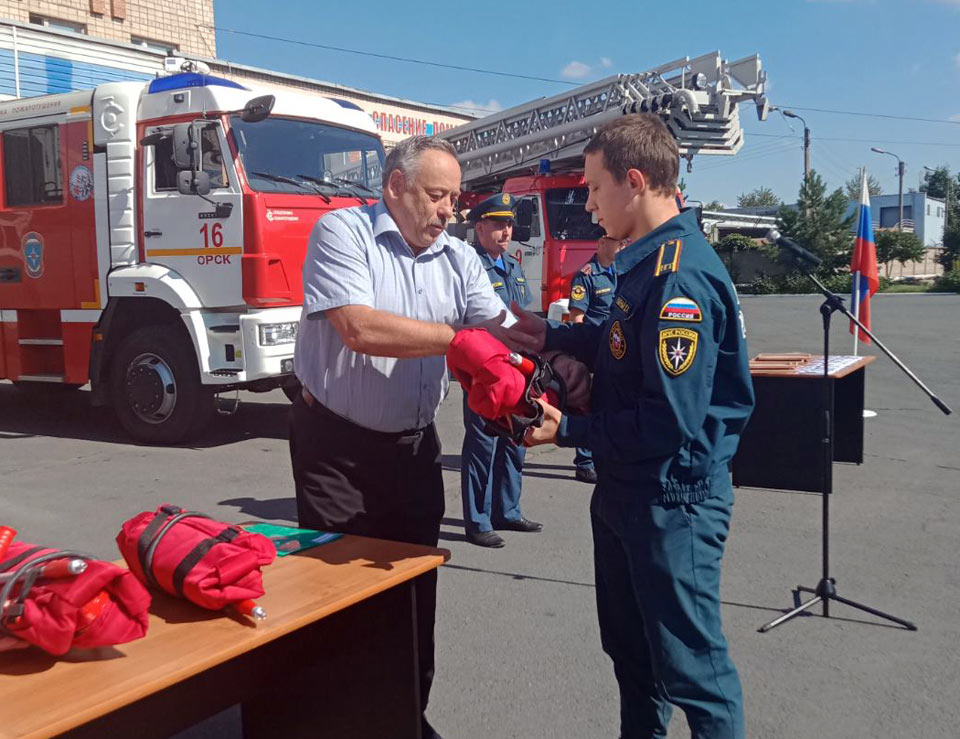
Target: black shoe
(486, 539)
(522, 524)
(587, 475)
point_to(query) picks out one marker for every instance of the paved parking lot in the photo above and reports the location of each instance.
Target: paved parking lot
(518, 646)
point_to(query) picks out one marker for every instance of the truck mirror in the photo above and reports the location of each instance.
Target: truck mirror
(190, 182)
(521, 233)
(525, 209)
(186, 147)
(257, 109)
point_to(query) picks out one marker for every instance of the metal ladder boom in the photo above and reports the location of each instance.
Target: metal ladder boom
(697, 98)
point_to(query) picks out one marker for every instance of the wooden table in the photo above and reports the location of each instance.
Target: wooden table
(336, 657)
(782, 445)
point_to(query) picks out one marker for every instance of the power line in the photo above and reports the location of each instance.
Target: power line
(871, 115)
(390, 57)
(861, 141)
(514, 75)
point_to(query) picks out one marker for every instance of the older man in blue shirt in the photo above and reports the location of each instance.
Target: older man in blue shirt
(385, 290)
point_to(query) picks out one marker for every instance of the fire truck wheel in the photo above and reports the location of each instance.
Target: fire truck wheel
(155, 387)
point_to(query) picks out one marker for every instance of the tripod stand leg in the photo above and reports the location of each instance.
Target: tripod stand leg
(787, 616)
(873, 611)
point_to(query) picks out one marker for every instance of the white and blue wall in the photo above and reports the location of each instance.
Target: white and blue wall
(923, 213)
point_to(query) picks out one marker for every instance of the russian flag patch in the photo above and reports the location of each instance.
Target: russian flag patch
(681, 309)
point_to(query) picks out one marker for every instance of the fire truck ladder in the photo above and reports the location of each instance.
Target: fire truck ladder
(697, 98)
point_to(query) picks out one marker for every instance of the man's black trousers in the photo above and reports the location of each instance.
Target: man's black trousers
(353, 480)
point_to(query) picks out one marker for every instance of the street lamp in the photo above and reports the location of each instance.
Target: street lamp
(806, 143)
(900, 171)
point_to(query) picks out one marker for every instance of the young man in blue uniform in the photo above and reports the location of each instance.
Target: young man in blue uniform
(591, 295)
(671, 396)
(490, 465)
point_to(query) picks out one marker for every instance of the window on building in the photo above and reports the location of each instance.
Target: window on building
(165, 173)
(57, 24)
(31, 166)
(928, 208)
(154, 45)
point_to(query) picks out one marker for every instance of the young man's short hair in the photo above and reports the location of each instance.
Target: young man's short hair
(640, 141)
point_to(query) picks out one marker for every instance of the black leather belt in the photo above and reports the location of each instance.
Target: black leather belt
(410, 436)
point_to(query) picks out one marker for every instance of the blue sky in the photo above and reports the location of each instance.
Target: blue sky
(885, 57)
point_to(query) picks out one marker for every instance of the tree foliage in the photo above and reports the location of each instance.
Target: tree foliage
(936, 183)
(714, 205)
(732, 244)
(852, 187)
(761, 196)
(819, 224)
(898, 246)
(940, 184)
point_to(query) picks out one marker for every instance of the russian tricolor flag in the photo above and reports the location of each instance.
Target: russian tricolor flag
(866, 280)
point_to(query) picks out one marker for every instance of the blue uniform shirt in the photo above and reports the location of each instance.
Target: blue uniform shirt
(672, 389)
(506, 276)
(592, 291)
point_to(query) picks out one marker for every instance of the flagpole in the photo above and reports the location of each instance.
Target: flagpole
(856, 311)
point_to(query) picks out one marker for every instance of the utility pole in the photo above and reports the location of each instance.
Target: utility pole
(900, 172)
(806, 143)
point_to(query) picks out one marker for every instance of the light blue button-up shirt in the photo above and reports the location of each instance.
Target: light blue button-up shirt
(357, 256)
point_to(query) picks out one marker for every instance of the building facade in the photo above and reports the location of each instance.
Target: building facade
(47, 58)
(178, 26)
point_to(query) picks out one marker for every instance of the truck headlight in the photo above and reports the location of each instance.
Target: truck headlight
(274, 334)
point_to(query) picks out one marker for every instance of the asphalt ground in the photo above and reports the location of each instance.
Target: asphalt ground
(518, 646)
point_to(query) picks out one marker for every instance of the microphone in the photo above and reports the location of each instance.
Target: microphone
(793, 248)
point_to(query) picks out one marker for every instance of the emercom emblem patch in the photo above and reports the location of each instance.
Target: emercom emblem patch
(578, 292)
(618, 342)
(677, 348)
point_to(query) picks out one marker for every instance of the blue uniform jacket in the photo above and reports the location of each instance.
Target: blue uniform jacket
(508, 283)
(592, 291)
(672, 389)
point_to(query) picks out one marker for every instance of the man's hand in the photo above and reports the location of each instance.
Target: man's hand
(576, 376)
(547, 432)
(528, 334)
(493, 325)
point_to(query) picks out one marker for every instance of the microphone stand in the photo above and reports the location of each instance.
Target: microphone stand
(826, 589)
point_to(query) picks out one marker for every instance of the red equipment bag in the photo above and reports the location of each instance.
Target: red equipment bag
(188, 554)
(502, 386)
(100, 606)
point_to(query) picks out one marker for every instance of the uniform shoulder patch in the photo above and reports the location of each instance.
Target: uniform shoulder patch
(681, 309)
(668, 257)
(677, 349)
(587, 269)
(622, 304)
(617, 341)
(578, 292)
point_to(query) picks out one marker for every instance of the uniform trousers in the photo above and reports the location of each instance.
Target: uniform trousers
(658, 603)
(491, 467)
(354, 480)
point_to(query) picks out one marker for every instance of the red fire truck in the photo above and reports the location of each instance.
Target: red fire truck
(535, 150)
(152, 238)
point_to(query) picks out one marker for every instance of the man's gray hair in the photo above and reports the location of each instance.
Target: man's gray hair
(405, 156)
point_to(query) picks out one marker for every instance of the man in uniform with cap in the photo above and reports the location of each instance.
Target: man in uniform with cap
(591, 294)
(491, 465)
(671, 396)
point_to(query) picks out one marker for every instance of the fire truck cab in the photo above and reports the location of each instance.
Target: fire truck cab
(152, 238)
